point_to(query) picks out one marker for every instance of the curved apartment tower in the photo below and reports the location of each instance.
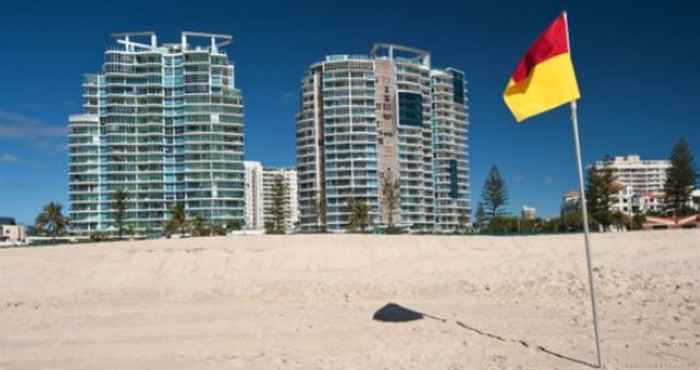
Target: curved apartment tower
(163, 123)
(366, 122)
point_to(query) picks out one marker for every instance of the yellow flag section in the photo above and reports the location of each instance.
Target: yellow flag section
(544, 78)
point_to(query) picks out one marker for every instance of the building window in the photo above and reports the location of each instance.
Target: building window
(410, 109)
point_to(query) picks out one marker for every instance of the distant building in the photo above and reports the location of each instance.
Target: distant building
(254, 210)
(528, 213)
(643, 176)
(623, 198)
(10, 231)
(650, 202)
(570, 202)
(289, 178)
(695, 199)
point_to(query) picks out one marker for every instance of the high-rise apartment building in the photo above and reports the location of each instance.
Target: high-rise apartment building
(370, 126)
(644, 176)
(288, 178)
(163, 123)
(254, 206)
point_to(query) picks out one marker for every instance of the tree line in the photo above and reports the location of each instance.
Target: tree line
(52, 222)
(490, 214)
(682, 177)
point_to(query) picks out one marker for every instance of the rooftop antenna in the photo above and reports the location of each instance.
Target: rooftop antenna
(216, 40)
(130, 44)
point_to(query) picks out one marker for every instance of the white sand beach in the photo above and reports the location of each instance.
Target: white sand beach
(307, 302)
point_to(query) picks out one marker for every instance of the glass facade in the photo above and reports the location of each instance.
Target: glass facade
(164, 124)
(410, 109)
(365, 119)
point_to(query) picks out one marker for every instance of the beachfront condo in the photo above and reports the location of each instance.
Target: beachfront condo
(163, 123)
(386, 129)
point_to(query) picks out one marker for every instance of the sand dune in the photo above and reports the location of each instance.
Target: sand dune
(307, 302)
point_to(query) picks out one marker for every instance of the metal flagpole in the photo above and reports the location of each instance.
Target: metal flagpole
(584, 211)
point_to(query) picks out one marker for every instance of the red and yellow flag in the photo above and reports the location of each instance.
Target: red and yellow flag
(544, 78)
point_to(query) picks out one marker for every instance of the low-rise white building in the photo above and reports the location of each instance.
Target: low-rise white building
(570, 202)
(11, 232)
(254, 208)
(643, 176)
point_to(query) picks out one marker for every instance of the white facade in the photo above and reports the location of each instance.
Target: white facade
(12, 233)
(289, 178)
(254, 210)
(387, 119)
(528, 213)
(164, 123)
(570, 202)
(643, 176)
(623, 199)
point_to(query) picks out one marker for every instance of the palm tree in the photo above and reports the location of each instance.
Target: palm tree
(391, 193)
(120, 206)
(463, 219)
(279, 211)
(321, 214)
(199, 228)
(359, 215)
(178, 219)
(51, 220)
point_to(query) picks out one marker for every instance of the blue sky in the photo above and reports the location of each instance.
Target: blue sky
(637, 66)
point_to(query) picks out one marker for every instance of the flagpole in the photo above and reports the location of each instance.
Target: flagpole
(584, 212)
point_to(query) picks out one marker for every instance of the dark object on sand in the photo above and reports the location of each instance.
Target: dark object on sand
(391, 312)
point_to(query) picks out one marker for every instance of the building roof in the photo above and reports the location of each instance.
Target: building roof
(651, 221)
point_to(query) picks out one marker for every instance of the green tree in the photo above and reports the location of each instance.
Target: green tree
(199, 227)
(638, 221)
(217, 230)
(503, 225)
(463, 219)
(680, 179)
(494, 195)
(359, 215)
(178, 220)
(599, 196)
(480, 215)
(553, 225)
(120, 206)
(621, 220)
(321, 214)
(234, 225)
(530, 226)
(279, 210)
(391, 193)
(51, 220)
(571, 221)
